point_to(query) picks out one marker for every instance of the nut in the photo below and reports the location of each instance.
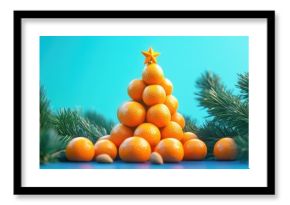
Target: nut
(104, 158)
(156, 158)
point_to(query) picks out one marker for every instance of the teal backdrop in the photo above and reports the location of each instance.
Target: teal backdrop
(93, 72)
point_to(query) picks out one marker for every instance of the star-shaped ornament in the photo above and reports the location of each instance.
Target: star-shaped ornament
(150, 56)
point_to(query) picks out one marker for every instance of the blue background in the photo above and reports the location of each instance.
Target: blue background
(93, 72)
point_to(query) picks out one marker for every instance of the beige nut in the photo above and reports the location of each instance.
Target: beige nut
(156, 158)
(104, 158)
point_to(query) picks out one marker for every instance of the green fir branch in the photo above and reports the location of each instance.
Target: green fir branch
(71, 123)
(243, 85)
(99, 120)
(52, 146)
(46, 115)
(243, 146)
(222, 104)
(209, 80)
(190, 125)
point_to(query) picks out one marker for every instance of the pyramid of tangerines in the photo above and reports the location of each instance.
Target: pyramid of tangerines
(150, 128)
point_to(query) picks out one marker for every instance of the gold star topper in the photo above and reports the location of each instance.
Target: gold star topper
(150, 56)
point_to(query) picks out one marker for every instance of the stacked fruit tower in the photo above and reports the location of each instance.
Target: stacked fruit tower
(150, 128)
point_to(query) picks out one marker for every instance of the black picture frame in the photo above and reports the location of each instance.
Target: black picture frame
(268, 190)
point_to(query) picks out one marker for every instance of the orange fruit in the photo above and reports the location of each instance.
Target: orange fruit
(131, 114)
(225, 149)
(106, 147)
(170, 149)
(188, 136)
(149, 132)
(159, 115)
(119, 133)
(167, 85)
(194, 149)
(154, 94)
(80, 149)
(135, 89)
(172, 130)
(135, 149)
(172, 103)
(152, 74)
(104, 137)
(177, 117)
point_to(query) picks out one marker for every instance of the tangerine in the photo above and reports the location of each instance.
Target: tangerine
(159, 115)
(153, 94)
(149, 132)
(188, 136)
(167, 85)
(172, 103)
(170, 149)
(152, 74)
(104, 137)
(106, 147)
(172, 130)
(119, 133)
(177, 117)
(135, 149)
(131, 114)
(135, 89)
(194, 149)
(80, 149)
(225, 149)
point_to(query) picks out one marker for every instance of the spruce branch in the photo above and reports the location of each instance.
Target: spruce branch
(209, 80)
(222, 104)
(99, 120)
(46, 115)
(71, 123)
(243, 85)
(52, 146)
(190, 125)
(243, 146)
